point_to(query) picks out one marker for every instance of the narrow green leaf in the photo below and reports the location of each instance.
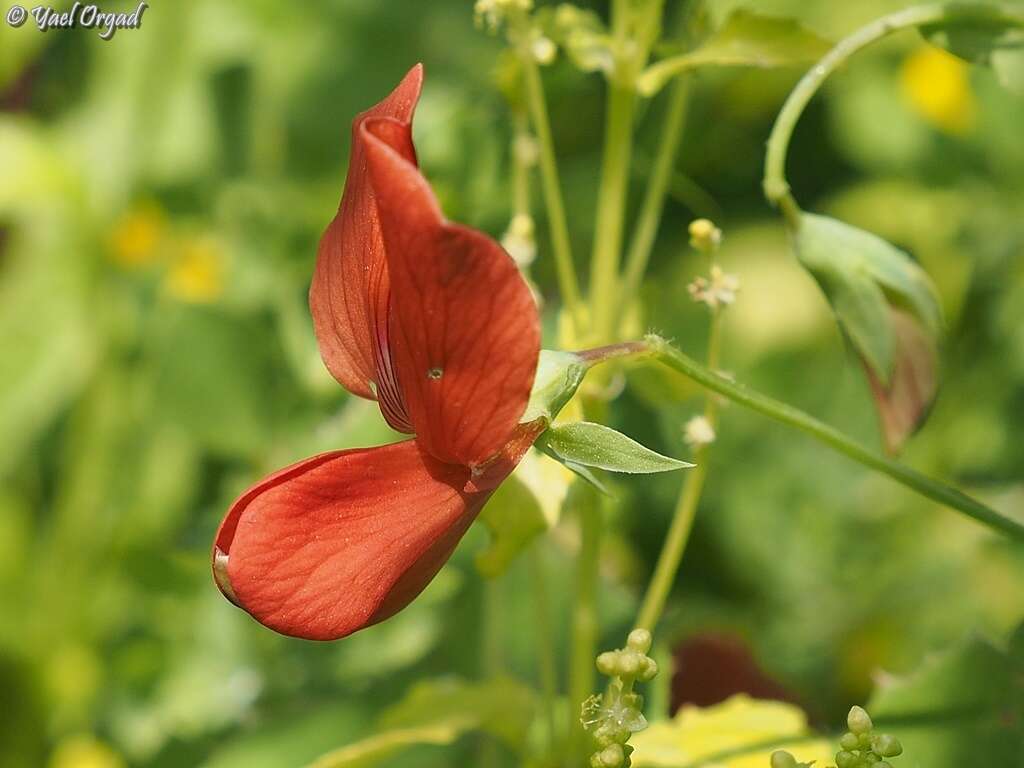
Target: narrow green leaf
(595, 445)
(582, 472)
(745, 40)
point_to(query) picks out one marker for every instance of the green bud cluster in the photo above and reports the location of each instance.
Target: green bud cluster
(860, 747)
(611, 719)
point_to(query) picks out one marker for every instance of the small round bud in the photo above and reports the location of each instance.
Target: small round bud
(608, 663)
(849, 741)
(611, 756)
(864, 740)
(871, 758)
(648, 669)
(704, 235)
(629, 664)
(858, 720)
(886, 745)
(782, 759)
(639, 640)
(846, 759)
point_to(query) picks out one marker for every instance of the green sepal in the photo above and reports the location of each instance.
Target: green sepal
(558, 376)
(581, 471)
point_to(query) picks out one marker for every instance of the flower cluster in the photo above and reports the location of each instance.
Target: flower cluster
(613, 718)
(861, 746)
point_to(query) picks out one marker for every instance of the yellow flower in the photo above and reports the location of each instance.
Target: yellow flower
(136, 236)
(84, 752)
(937, 86)
(197, 274)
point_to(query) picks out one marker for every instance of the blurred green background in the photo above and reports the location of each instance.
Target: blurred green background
(161, 196)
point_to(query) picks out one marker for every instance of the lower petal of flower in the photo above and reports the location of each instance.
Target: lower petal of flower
(342, 540)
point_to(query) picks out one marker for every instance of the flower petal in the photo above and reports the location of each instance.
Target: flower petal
(465, 332)
(342, 540)
(350, 284)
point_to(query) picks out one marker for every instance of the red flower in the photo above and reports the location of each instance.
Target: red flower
(431, 319)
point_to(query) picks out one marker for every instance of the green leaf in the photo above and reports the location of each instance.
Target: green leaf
(595, 445)
(990, 41)
(862, 275)
(957, 709)
(738, 733)
(439, 712)
(745, 40)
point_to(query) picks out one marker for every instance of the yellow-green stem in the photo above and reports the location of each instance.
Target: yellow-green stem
(686, 505)
(654, 198)
(611, 206)
(565, 269)
(584, 619)
(545, 640)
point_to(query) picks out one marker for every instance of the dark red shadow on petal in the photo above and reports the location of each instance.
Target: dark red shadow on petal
(465, 331)
(343, 540)
(349, 294)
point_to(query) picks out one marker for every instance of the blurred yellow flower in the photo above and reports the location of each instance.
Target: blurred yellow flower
(197, 273)
(136, 236)
(84, 752)
(937, 86)
(695, 735)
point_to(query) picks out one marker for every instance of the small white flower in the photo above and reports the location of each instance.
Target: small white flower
(544, 51)
(698, 432)
(718, 290)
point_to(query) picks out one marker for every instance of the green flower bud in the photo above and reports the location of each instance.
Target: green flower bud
(883, 764)
(608, 663)
(705, 236)
(871, 758)
(639, 640)
(886, 745)
(846, 759)
(629, 664)
(858, 720)
(782, 759)
(648, 669)
(611, 756)
(849, 741)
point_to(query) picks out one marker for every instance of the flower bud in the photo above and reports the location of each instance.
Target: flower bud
(858, 721)
(608, 663)
(782, 759)
(886, 745)
(705, 236)
(846, 759)
(849, 741)
(639, 640)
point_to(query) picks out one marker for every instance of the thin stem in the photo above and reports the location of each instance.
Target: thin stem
(776, 188)
(611, 205)
(654, 198)
(565, 269)
(584, 619)
(787, 414)
(492, 659)
(545, 640)
(686, 506)
(520, 167)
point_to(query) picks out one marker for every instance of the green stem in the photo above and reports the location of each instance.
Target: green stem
(568, 284)
(584, 619)
(654, 198)
(492, 660)
(787, 414)
(776, 188)
(686, 506)
(545, 640)
(611, 205)
(520, 168)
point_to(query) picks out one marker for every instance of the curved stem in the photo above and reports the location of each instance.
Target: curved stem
(937, 491)
(776, 188)
(565, 269)
(654, 199)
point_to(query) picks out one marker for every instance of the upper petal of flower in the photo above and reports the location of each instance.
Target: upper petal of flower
(465, 332)
(342, 540)
(349, 294)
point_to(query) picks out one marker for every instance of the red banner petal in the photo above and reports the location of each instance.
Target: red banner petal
(465, 332)
(342, 540)
(350, 282)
